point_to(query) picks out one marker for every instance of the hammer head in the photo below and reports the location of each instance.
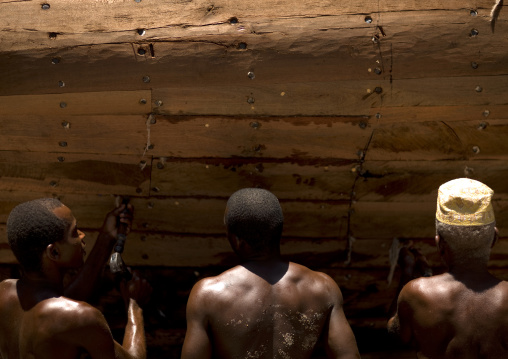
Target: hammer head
(118, 267)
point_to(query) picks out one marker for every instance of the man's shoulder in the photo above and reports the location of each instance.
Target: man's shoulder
(7, 284)
(69, 312)
(215, 285)
(302, 272)
(8, 292)
(438, 291)
(314, 282)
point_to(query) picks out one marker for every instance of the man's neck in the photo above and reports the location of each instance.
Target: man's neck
(37, 282)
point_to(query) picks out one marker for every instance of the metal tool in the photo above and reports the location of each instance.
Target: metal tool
(116, 263)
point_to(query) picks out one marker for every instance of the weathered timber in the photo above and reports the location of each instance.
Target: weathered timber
(321, 179)
(412, 114)
(61, 133)
(438, 140)
(418, 181)
(272, 137)
(50, 173)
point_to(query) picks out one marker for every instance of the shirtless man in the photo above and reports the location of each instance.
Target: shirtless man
(462, 313)
(266, 307)
(37, 320)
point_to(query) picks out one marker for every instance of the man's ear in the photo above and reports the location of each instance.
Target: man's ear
(496, 237)
(52, 252)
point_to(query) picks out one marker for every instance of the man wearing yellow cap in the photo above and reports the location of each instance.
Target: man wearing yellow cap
(462, 313)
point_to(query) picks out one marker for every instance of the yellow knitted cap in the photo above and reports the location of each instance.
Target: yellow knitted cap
(465, 202)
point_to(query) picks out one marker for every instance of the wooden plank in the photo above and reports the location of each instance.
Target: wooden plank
(304, 140)
(122, 24)
(327, 51)
(337, 54)
(64, 134)
(330, 98)
(418, 181)
(291, 138)
(285, 99)
(314, 181)
(412, 114)
(447, 91)
(52, 174)
(439, 141)
(86, 103)
(404, 219)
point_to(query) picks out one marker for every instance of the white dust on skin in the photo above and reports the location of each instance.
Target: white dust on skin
(235, 322)
(309, 330)
(256, 354)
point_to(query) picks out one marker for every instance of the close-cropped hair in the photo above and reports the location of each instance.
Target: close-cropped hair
(255, 215)
(468, 242)
(31, 227)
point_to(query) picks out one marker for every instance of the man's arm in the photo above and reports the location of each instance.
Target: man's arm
(400, 323)
(197, 343)
(340, 340)
(89, 330)
(85, 281)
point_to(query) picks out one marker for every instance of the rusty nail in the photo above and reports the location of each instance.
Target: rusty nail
(482, 126)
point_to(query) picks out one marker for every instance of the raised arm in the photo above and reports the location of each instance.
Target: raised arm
(400, 323)
(340, 340)
(95, 336)
(85, 281)
(197, 344)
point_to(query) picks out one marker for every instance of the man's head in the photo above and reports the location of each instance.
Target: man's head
(31, 227)
(465, 221)
(255, 216)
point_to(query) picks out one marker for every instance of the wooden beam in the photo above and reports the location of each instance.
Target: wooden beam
(86, 103)
(418, 181)
(221, 177)
(438, 140)
(48, 174)
(255, 137)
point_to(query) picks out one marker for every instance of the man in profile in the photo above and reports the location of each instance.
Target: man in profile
(266, 307)
(462, 313)
(38, 318)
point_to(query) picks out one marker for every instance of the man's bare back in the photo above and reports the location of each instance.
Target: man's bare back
(267, 307)
(249, 317)
(449, 318)
(41, 329)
